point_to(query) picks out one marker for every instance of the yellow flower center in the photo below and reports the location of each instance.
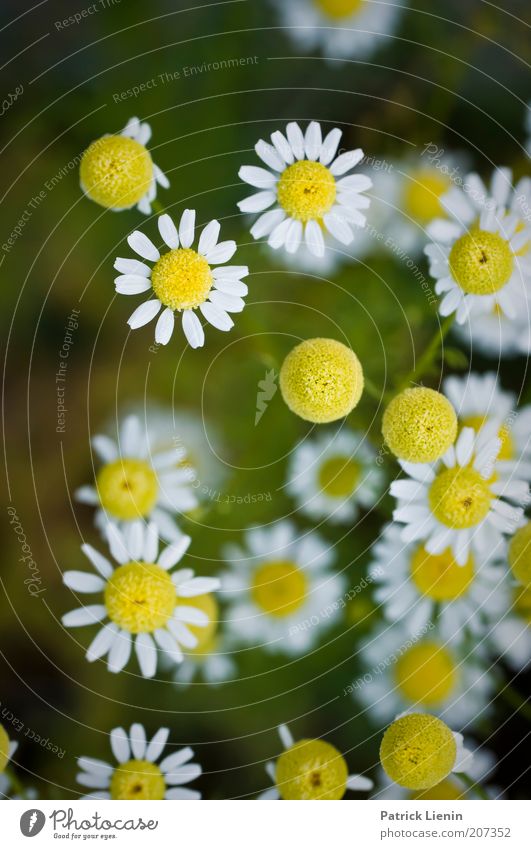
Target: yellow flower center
(339, 476)
(418, 751)
(481, 262)
(520, 555)
(508, 449)
(116, 172)
(340, 8)
(205, 634)
(439, 577)
(422, 194)
(419, 425)
(4, 748)
(279, 588)
(306, 190)
(321, 380)
(426, 673)
(460, 497)
(311, 769)
(522, 603)
(137, 780)
(140, 597)
(127, 488)
(181, 279)
(446, 790)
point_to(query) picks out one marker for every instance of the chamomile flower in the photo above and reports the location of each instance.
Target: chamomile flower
(479, 400)
(140, 479)
(340, 28)
(511, 636)
(183, 279)
(7, 748)
(139, 773)
(307, 189)
(481, 258)
(334, 474)
(419, 425)
(451, 788)
(423, 672)
(281, 589)
(117, 171)
(416, 588)
(461, 502)
(418, 751)
(310, 770)
(143, 603)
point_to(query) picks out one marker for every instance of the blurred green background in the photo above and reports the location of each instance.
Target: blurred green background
(460, 81)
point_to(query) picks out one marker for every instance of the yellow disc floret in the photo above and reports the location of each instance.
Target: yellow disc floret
(182, 279)
(520, 555)
(279, 588)
(460, 497)
(306, 190)
(116, 172)
(426, 674)
(321, 380)
(446, 790)
(205, 633)
(140, 597)
(4, 748)
(439, 577)
(127, 488)
(339, 476)
(481, 262)
(423, 192)
(340, 8)
(419, 425)
(311, 769)
(137, 780)
(418, 751)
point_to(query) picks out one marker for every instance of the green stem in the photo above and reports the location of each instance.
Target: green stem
(515, 700)
(475, 786)
(428, 357)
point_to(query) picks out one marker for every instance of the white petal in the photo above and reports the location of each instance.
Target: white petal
(176, 759)
(313, 236)
(193, 329)
(257, 202)
(146, 654)
(120, 652)
(182, 634)
(156, 745)
(105, 448)
(117, 544)
(83, 582)
(192, 615)
(174, 552)
(465, 446)
(169, 645)
(130, 438)
(294, 237)
(359, 782)
(278, 237)
(232, 272)
(98, 560)
(223, 252)
(216, 317)
(257, 177)
(132, 266)
(296, 139)
(120, 745)
(94, 765)
(355, 183)
(168, 231)
(143, 246)
(88, 615)
(132, 284)
(164, 326)
(102, 642)
(183, 774)
(198, 586)
(230, 303)
(144, 314)
(267, 223)
(339, 228)
(187, 228)
(286, 736)
(209, 237)
(282, 146)
(151, 543)
(330, 145)
(269, 155)
(313, 141)
(231, 287)
(346, 161)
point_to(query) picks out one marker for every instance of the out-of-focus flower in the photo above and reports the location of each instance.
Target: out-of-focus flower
(140, 479)
(183, 279)
(308, 189)
(510, 638)
(334, 474)
(283, 594)
(310, 770)
(7, 748)
(495, 335)
(137, 775)
(117, 171)
(144, 603)
(519, 555)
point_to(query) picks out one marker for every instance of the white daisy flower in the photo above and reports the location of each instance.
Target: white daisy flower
(140, 479)
(460, 502)
(143, 602)
(340, 28)
(423, 672)
(418, 751)
(310, 770)
(495, 335)
(451, 788)
(334, 474)
(481, 258)
(283, 594)
(117, 171)
(418, 588)
(478, 399)
(183, 279)
(307, 188)
(510, 638)
(137, 775)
